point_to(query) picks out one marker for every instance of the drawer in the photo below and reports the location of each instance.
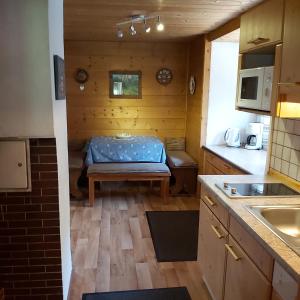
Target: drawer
(211, 169)
(221, 164)
(262, 259)
(214, 205)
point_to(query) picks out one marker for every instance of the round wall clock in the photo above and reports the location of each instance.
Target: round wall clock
(81, 76)
(164, 76)
(192, 85)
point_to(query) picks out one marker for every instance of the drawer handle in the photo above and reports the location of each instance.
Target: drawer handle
(210, 202)
(215, 230)
(230, 250)
(259, 40)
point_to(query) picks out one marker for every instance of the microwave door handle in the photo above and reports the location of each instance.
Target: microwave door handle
(267, 92)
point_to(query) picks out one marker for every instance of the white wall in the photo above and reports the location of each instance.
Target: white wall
(56, 42)
(31, 33)
(222, 94)
(25, 101)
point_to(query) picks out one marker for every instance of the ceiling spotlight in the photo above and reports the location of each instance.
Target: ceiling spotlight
(147, 27)
(120, 33)
(159, 25)
(132, 29)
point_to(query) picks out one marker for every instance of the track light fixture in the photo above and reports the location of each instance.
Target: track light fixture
(147, 27)
(132, 30)
(139, 19)
(120, 33)
(159, 25)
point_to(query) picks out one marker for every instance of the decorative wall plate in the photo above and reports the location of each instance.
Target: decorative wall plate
(192, 85)
(164, 76)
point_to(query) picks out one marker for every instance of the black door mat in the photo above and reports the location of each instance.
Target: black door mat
(174, 234)
(178, 293)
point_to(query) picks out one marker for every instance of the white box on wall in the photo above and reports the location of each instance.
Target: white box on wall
(15, 165)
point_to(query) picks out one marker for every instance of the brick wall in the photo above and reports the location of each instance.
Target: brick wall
(30, 261)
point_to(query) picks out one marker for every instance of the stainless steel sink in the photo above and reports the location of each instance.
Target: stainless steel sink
(283, 220)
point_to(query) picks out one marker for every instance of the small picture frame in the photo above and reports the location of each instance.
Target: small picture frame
(125, 84)
(59, 78)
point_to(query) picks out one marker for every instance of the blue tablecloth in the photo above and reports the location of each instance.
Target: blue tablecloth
(134, 149)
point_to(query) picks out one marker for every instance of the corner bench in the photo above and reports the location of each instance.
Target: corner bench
(128, 172)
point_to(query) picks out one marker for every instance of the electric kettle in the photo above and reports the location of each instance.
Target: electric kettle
(232, 137)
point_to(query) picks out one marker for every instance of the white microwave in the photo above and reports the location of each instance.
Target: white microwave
(255, 88)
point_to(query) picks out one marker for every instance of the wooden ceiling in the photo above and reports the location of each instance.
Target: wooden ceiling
(183, 19)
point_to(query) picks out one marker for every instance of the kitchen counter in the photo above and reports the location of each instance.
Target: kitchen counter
(250, 161)
(236, 207)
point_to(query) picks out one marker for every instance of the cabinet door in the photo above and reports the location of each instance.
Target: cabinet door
(211, 252)
(243, 278)
(290, 70)
(262, 25)
(289, 88)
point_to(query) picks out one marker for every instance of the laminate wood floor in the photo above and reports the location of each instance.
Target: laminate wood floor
(112, 247)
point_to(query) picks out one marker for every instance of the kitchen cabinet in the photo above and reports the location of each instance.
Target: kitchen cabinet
(262, 259)
(289, 85)
(215, 165)
(212, 239)
(290, 69)
(233, 263)
(215, 206)
(262, 26)
(211, 169)
(243, 279)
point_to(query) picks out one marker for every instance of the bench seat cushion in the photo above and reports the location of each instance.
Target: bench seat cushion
(180, 159)
(127, 168)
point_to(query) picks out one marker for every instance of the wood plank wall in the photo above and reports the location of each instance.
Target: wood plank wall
(194, 102)
(160, 112)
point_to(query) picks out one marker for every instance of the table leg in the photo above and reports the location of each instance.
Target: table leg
(164, 189)
(74, 175)
(91, 191)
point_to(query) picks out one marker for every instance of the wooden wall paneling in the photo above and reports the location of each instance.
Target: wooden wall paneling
(196, 55)
(228, 27)
(205, 99)
(160, 112)
(197, 104)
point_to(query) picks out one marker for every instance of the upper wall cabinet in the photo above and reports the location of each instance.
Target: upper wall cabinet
(262, 25)
(290, 70)
(289, 86)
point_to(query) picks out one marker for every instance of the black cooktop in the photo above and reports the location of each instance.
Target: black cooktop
(263, 189)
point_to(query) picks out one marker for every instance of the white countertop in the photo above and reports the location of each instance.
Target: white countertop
(237, 207)
(250, 161)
